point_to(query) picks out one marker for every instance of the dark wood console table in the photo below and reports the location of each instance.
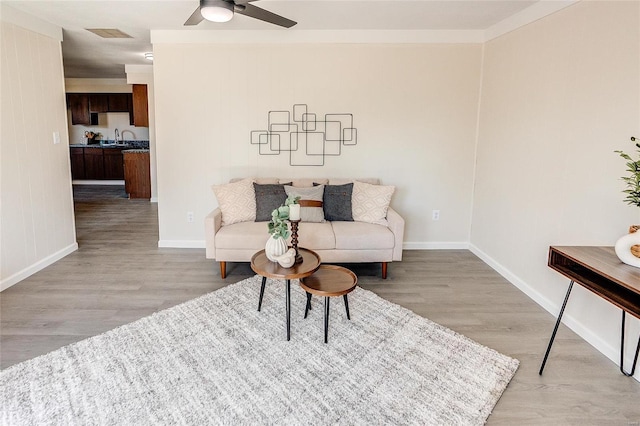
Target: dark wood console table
(599, 270)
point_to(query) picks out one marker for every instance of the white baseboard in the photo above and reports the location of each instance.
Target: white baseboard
(613, 353)
(182, 244)
(435, 246)
(41, 264)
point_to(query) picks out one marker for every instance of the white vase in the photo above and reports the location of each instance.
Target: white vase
(274, 248)
(623, 249)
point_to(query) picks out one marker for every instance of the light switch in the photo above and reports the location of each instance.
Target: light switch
(56, 138)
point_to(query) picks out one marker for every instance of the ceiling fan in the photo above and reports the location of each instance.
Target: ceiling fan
(223, 10)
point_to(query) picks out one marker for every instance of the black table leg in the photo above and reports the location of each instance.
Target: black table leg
(555, 329)
(264, 281)
(326, 318)
(346, 306)
(288, 310)
(306, 309)
(635, 358)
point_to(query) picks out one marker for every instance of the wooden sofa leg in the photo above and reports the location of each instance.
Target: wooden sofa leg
(223, 270)
(384, 270)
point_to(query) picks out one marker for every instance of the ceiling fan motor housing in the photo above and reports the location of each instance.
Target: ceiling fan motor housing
(216, 10)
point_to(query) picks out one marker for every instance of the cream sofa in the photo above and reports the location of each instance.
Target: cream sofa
(335, 242)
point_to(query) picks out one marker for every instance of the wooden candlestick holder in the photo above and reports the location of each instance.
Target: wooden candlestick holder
(294, 239)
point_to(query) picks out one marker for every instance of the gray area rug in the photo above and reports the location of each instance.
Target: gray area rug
(216, 360)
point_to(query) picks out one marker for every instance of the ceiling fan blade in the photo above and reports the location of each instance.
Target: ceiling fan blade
(264, 15)
(195, 18)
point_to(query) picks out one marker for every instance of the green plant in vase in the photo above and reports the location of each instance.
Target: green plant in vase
(633, 180)
(278, 226)
(627, 248)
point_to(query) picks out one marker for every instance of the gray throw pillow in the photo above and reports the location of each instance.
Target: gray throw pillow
(268, 198)
(337, 202)
(310, 202)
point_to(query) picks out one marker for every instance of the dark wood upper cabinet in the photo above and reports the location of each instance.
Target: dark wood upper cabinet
(98, 102)
(83, 105)
(79, 105)
(140, 106)
(119, 102)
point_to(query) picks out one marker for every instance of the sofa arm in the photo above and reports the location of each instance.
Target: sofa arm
(396, 225)
(212, 224)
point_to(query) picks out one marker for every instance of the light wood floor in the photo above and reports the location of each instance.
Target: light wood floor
(119, 275)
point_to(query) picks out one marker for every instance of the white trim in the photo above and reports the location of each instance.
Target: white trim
(154, 199)
(449, 245)
(38, 266)
(292, 36)
(182, 244)
(97, 182)
(29, 22)
(536, 11)
(138, 69)
(613, 353)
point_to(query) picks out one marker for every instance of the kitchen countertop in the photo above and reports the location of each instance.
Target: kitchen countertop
(133, 144)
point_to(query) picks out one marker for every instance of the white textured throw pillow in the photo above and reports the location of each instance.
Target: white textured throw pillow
(315, 193)
(371, 202)
(237, 201)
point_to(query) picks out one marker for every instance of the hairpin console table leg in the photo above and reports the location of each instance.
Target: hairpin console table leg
(555, 329)
(635, 359)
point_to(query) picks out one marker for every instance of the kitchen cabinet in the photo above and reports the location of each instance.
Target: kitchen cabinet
(113, 163)
(137, 175)
(98, 102)
(77, 163)
(140, 106)
(119, 102)
(96, 163)
(79, 105)
(93, 163)
(85, 106)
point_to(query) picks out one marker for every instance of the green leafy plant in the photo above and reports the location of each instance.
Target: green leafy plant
(633, 180)
(278, 226)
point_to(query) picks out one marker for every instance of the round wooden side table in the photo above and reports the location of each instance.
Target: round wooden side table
(261, 265)
(329, 281)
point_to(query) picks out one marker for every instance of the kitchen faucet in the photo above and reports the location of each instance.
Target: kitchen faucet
(117, 135)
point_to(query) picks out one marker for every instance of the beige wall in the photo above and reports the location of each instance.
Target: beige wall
(558, 97)
(37, 223)
(415, 108)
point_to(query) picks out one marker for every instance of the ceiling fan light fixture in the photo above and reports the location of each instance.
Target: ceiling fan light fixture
(216, 11)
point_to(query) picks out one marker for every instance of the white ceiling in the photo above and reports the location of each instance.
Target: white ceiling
(87, 55)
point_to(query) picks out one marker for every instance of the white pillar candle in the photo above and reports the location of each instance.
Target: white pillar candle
(294, 211)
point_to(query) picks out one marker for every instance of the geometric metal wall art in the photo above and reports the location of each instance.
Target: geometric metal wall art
(307, 139)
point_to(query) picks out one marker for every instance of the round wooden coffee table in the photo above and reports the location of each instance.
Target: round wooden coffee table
(329, 281)
(261, 265)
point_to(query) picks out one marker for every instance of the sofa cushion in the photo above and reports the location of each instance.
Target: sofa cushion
(315, 193)
(316, 236)
(361, 235)
(242, 235)
(337, 202)
(371, 202)
(268, 198)
(237, 201)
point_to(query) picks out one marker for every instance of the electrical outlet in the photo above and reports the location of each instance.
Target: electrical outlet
(190, 217)
(56, 138)
(435, 215)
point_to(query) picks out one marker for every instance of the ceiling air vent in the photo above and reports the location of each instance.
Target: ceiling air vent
(108, 32)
